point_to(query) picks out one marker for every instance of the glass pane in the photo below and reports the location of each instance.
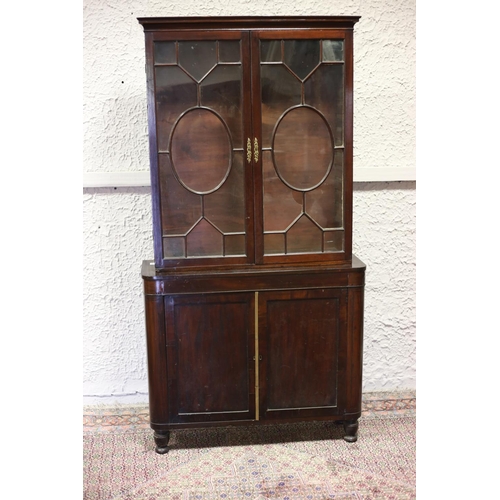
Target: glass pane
(282, 205)
(303, 149)
(180, 209)
(221, 91)
(302, 56)
(173, 248)
(304, 237)
(197, 58)
(333, 50)
(165, 53)
(280, 91)
(324, 90)
(201, 151)
(334, 241)
(229, 51)
(225, 208)
(270, 50)
(325, 204)
(204, 241)
(175, 92)
(234, 244)
(274, 244)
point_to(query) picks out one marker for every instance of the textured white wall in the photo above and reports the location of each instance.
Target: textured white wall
(384, 238)
(117, 222)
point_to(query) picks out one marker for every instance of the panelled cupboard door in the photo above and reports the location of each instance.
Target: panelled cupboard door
(251, 146)
(302, 348)
(210, 349)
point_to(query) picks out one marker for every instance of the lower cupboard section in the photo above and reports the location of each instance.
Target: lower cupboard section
(254, 357)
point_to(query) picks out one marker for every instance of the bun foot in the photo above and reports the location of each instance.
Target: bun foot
(351, 439)
(351, 430)
(161, 440)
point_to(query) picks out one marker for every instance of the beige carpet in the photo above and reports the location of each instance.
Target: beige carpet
(292, 461)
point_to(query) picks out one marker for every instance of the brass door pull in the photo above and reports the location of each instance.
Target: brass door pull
(249, 150)
(256, 150)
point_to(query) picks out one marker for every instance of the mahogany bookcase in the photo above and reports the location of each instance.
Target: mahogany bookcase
(254, 300)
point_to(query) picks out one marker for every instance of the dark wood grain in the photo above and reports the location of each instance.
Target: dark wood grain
(209, 344)
(354, 336)
(252, 278)
(246, 22)
(348, 143)
(301, 333)
(156, 351)
(255, 93)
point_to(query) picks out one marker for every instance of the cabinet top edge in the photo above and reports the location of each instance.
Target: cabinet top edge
(248, 22)
(149, 271)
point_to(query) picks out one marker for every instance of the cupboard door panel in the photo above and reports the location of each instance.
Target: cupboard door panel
(301, 341)
(209, 348)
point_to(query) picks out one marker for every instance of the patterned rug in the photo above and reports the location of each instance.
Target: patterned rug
(291, 461)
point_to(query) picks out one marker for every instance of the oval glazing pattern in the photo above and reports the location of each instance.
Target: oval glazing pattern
(201, 150)
(302, 148)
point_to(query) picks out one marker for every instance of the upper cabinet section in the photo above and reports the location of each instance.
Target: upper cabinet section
(250, 139)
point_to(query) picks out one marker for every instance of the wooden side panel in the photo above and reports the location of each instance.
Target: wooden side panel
(156, 349)
(354, 336)
(210, 350)
(302, 348)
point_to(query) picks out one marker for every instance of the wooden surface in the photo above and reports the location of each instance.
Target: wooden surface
(246, 22)
(300, 343)
(209, 344)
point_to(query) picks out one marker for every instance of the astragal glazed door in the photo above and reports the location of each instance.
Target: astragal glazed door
(304, 89)
(200, 102)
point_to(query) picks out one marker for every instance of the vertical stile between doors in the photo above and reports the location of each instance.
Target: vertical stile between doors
(257, 356)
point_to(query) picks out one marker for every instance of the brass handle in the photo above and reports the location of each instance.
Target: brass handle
(249, 150)
(256, 150)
